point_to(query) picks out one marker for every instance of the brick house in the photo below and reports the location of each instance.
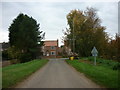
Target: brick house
(50, 49)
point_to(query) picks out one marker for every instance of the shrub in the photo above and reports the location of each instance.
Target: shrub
(5, 55)
(116, 66)
(25, 57)
(109, 63)
(15, 61)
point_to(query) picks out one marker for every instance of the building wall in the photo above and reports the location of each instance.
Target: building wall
(50, 51)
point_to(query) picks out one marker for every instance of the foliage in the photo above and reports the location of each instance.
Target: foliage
(100, 74)
(14, 61)
(87, 31)
(13, 53)
(63, 52)
(114, 48)
(107, 63)
(15, 73)
(24, 36)
(5, 55)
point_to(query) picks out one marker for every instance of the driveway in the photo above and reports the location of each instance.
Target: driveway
(57, 74)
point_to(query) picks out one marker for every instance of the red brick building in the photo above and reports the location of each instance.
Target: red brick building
(50, 49)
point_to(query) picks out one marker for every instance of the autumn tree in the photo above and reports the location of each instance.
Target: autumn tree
(114, 48)
(24, 36)
(86, 31)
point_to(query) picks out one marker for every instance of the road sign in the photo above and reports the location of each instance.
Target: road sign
(94, 53)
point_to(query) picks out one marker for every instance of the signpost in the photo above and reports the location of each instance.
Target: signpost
(95, 54)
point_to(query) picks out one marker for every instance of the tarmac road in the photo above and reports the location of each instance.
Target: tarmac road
(57, 74)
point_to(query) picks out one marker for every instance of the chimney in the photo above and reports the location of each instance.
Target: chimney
(57, 43)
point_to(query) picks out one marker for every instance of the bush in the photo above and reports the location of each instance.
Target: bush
(116, 66)
(107, 63)
(15, 61)
(91, 58)
(5, 55)
(13, 53)
(25, 57)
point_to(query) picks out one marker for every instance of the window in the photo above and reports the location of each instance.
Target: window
(52, 47)
(52, 52)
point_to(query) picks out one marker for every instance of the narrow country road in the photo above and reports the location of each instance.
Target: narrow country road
(57, 74)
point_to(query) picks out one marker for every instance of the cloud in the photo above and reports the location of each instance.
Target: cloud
(119, 17)
(4, 36)
(109, 16)
(52, 15)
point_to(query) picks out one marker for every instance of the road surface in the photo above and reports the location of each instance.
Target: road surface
(57, 74)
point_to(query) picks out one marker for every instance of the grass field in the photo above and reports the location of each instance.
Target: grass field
(101, 74)
(17, 72)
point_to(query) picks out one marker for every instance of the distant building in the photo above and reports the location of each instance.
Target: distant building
(50, 49)
(4, 46)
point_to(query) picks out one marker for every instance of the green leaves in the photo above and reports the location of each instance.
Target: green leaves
(87, 31)
(24, 34)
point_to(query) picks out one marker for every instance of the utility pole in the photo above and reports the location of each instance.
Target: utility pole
(73, 38)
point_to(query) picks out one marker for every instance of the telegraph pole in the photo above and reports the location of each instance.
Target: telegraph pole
(73, 38)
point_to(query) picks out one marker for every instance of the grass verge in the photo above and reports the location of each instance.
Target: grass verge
(17, 72)
(101, 75)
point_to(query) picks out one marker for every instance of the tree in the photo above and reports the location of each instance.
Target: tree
(86, 30)
(24, 36)
(114, 48)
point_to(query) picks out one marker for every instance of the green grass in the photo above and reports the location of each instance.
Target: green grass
(17, 72)
(115, 65)
(106, 63)
(104, 76)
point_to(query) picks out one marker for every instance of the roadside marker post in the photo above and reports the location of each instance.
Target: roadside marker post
(95, 54)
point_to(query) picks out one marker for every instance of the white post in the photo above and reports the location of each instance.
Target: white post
(94, 60)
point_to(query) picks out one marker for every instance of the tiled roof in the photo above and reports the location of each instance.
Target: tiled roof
(51, 43)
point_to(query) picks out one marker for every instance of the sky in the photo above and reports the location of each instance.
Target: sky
(52, 16)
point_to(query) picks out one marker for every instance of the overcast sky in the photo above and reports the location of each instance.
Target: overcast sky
(52, 16)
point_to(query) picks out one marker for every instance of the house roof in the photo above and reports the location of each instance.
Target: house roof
(51, 43)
